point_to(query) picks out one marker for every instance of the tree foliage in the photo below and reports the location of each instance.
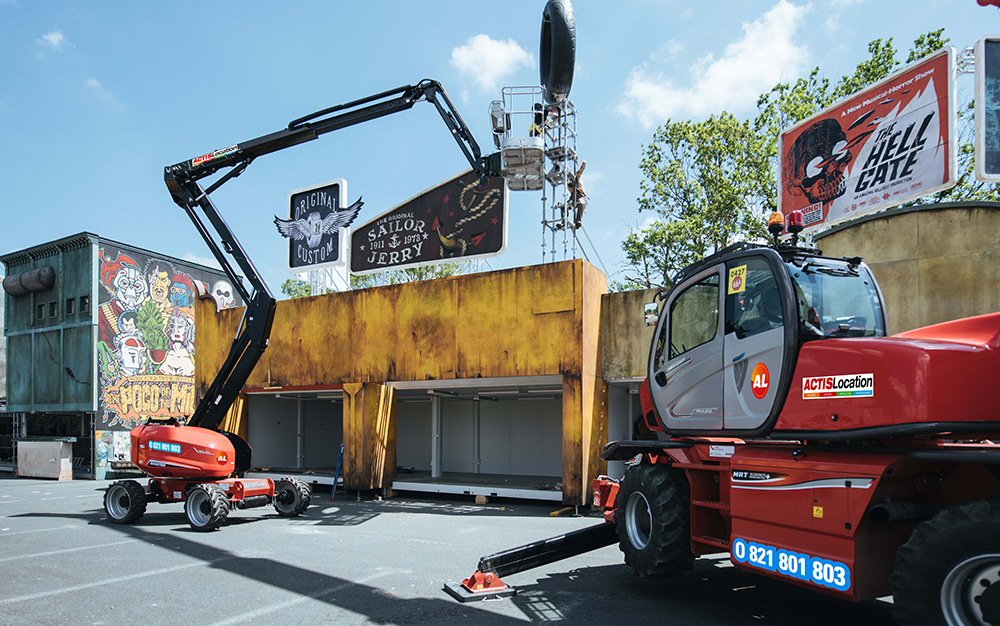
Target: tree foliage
(294, 288)
(712, 183)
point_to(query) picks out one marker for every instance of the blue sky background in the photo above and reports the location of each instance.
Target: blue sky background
(97, 97)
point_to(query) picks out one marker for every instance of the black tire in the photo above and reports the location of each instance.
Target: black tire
(291, 496)
(557, 50)
(125, 501)
(207, 507)
(948, 572)
(653, 520)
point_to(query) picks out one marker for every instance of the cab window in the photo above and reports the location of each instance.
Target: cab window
(753, 302)
(694, 316)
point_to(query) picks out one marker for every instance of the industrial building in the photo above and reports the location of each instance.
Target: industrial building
(99, 337)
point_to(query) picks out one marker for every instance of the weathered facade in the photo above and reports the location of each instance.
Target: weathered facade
(99, 337)
(935, 263)
(487, 356)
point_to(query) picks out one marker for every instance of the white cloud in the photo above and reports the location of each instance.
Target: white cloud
(95, 87)
(54, 40)
(487, 61)
(201, 260)
(767, 54)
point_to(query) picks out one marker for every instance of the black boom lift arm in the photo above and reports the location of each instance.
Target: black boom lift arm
(182, 181)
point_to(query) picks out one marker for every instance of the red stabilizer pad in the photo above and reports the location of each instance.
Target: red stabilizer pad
(480, 586)
(480, 582)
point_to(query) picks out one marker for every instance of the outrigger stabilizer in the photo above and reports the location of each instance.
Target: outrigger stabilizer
(485, 583)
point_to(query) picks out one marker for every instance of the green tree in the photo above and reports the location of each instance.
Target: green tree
(711, 183)
(707, 182)
(409, 275)
(294, 288)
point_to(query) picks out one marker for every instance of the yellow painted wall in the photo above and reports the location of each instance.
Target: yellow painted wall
(934, 263)
(519, 322)
(625, 338)
(531, 321)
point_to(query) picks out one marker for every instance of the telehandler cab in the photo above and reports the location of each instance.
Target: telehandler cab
(795, 435)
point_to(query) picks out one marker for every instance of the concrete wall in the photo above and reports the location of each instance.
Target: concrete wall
(934, 263)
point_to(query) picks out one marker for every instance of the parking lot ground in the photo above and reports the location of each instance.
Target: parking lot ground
(349, 562)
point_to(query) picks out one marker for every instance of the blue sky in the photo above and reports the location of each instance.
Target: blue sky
(97, 97)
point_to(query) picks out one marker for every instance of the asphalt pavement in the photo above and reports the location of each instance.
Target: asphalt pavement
(346, 561)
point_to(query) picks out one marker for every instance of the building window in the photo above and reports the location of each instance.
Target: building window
(84, 304)
(53, 309)
(70, 306)
(40, 312)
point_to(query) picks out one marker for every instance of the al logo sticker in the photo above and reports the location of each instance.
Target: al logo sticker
(737, 280)
(760, 380)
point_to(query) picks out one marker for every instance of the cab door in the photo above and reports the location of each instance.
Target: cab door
(685, 368)
(759, 322)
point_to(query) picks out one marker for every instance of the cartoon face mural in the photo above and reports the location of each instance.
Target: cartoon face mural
(181, 292)
(223, 294)
(180, 330)
(129, 287)
(159, 286)
(145, 338)
(818, 160)
(132, 352)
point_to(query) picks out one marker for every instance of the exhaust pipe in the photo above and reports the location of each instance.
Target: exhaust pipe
(899, 511)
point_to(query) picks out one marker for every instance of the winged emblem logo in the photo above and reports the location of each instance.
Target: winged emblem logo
(312, 227)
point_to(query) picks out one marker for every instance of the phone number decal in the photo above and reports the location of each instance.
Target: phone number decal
(814, 569)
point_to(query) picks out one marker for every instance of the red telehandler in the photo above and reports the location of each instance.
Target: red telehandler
(795, 435)
(196, 463)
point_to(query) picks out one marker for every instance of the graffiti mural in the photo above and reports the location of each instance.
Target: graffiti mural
(145, 340)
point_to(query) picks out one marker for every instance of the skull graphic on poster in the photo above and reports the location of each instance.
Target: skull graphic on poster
(817, 162)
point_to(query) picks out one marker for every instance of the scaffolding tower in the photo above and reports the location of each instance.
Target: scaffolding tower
(537, 142)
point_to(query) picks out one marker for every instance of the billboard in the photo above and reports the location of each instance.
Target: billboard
(988, 109)
(316, 227)
(893, 142)
(464, 217)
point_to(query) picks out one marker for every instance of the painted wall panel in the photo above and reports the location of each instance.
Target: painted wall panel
(413, 435)
(272, 429)
(935, 263)
(481, 325)
(457, 452)
(322, 432)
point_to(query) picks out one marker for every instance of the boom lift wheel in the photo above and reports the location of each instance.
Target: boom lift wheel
(291, 496)
(653, 520)
(948, 572)
(207, 507)
(125, 501)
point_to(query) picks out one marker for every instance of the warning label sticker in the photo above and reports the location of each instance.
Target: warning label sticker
(737, 280)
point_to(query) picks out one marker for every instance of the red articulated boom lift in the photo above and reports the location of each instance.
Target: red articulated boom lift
(795, 435)
(196, 463)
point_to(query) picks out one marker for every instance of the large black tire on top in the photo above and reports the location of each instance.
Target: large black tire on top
(291, 496)
(207, 507)
(653, 519)
(948, 572)
(125, 501)
(557, 50)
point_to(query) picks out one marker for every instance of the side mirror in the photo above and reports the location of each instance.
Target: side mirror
(651, 313)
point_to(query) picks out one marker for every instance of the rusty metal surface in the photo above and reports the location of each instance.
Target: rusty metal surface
(520, 322)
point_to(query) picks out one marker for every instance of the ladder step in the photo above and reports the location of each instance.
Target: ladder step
(712, 541)
(701, 466)
(711, 504)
